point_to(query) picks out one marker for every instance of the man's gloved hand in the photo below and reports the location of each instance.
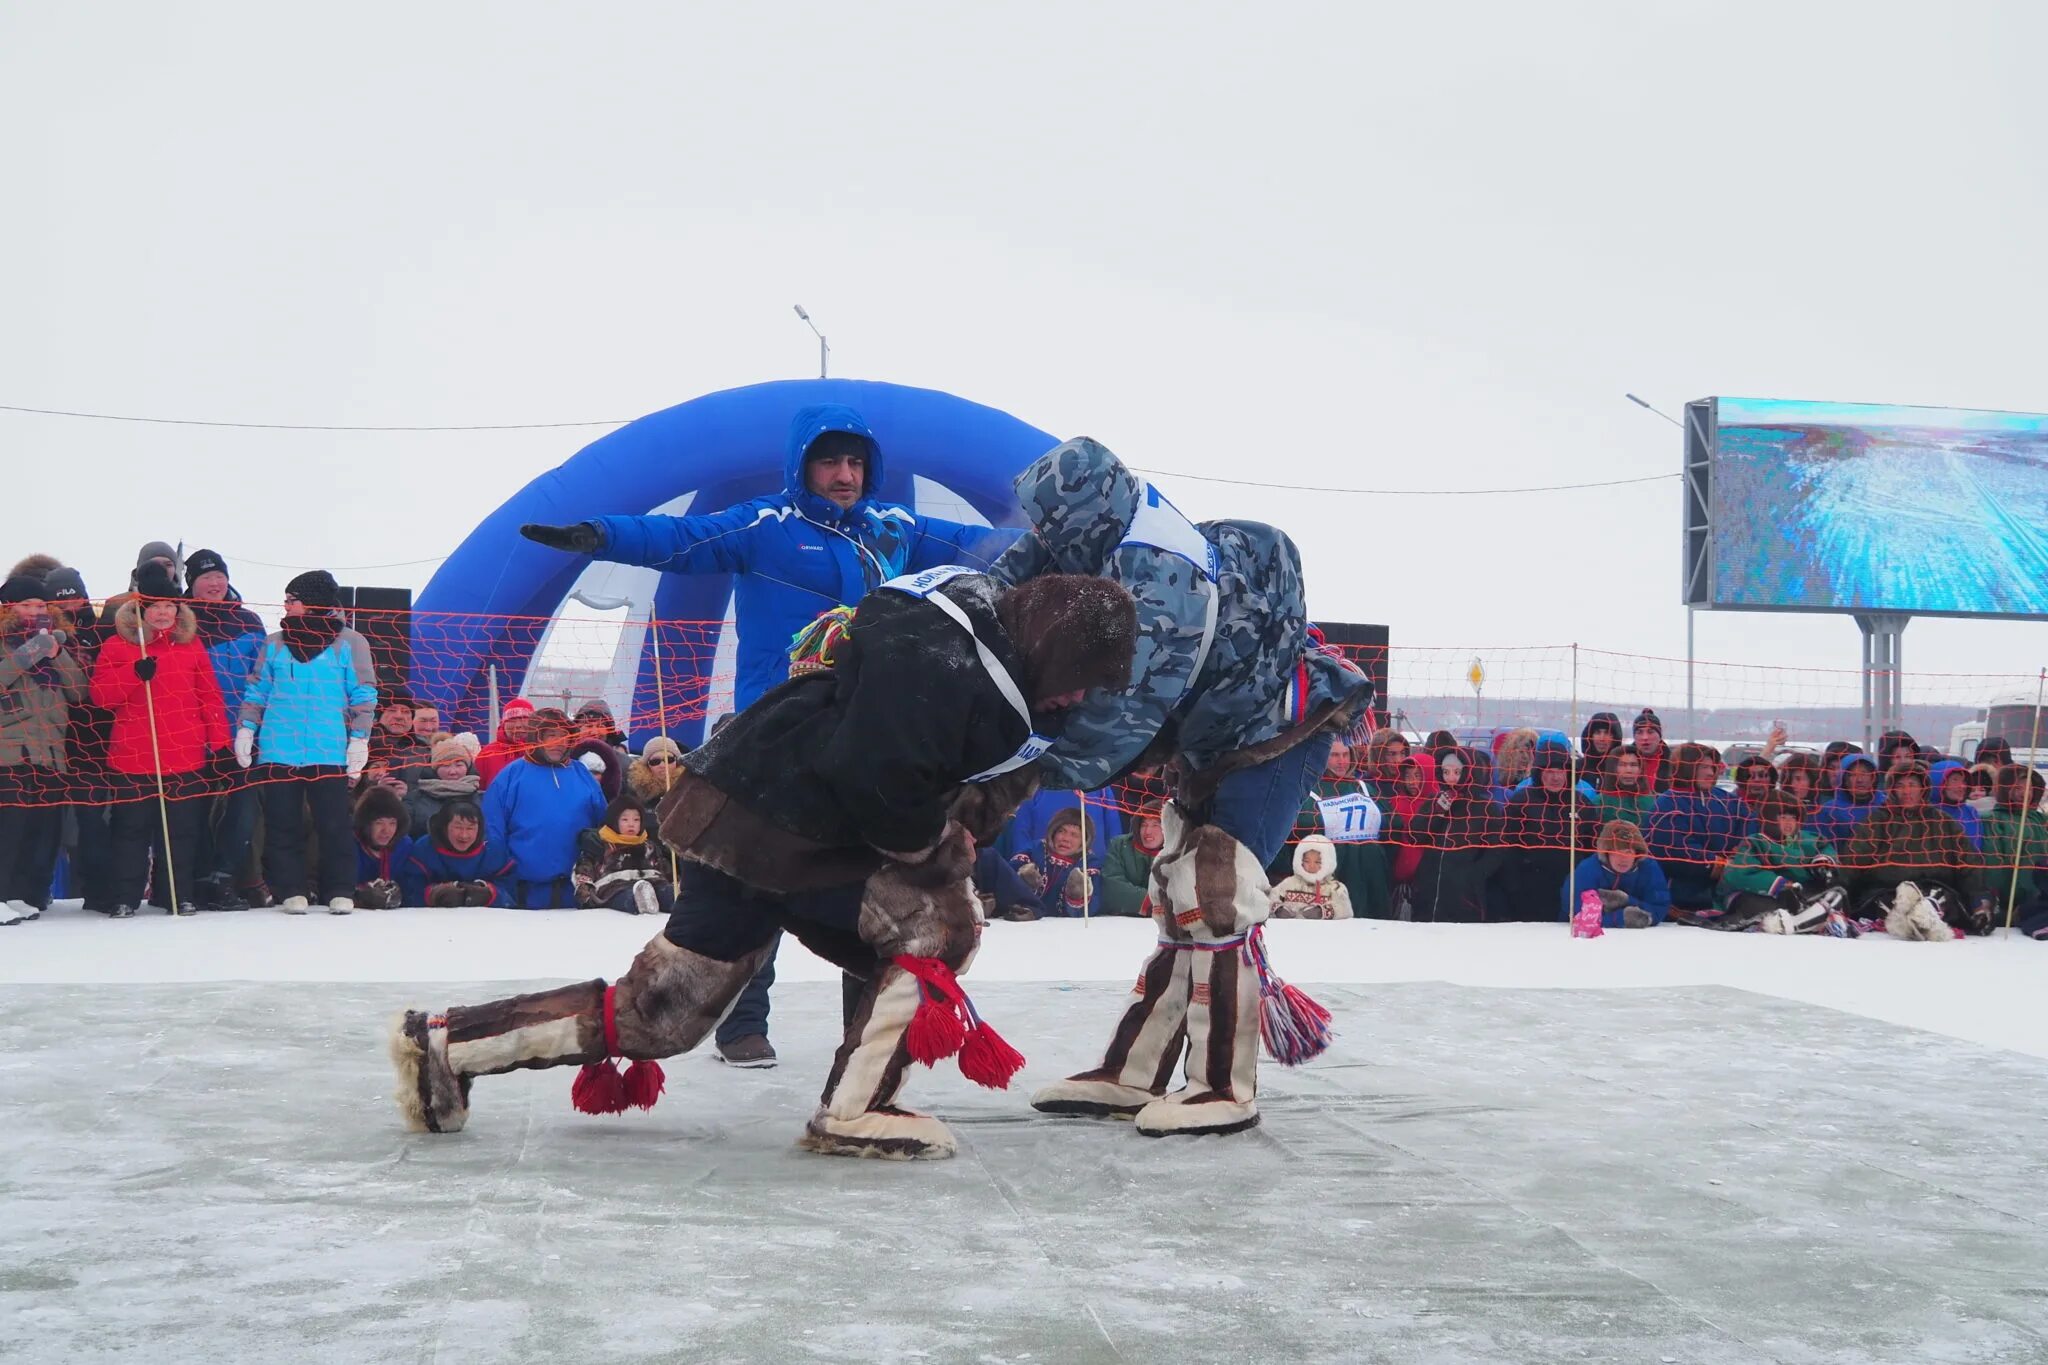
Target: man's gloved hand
(145, 667)
(578, 538)
(358, 757)
(245, 747)
(36, 648)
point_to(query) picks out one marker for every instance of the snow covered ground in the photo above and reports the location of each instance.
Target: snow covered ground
(1661, 1146)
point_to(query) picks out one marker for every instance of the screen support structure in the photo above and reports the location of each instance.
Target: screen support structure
(1883, 671)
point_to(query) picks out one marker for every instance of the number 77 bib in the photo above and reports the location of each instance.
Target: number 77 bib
(1353, 818)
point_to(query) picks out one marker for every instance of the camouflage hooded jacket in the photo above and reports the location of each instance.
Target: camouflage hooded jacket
(1262, 674)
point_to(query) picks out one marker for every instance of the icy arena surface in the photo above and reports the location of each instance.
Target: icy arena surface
(1670, 1146)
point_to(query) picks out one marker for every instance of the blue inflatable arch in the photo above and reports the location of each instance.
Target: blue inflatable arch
(492, 600)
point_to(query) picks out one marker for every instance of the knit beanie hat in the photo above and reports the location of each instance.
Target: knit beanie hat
(316, 588)
(471, 745)
(22, 588)
(205, 562)
(156, 549)
(153, 582)
(1074, 631)
(448, 751)
(518, 706)
(661, 746)
(65, 585)
(1647, 719)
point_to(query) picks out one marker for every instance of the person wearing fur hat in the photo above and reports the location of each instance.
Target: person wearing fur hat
(233, 636)
(1240, 699)
(844, 808)
(89, 789)
(1313, 892)
(448, 776)
(536, 811)
(383, 849)
(453, 865)
(1623, 876)
(306, 715)
(154, 675)
(515, 734)
(652, 775)
(623, 864)
(40, 681)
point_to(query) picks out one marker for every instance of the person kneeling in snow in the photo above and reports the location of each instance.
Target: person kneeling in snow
(843, 807)
(382, 849)
(1631, 886)
(1313, 892)
(453, 866)
(624, 864)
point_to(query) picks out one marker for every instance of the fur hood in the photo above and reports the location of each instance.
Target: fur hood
(128, 623)
(648, 785)
(1323, 846)
(374, 804)
(36, 566)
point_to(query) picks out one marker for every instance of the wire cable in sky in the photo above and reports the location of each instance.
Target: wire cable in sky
(551, 426)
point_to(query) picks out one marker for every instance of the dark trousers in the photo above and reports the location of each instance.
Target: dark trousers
(288, 794)
(92, 856)
(722, 918)
(136, 828)
(749, 1016)
(30, 825)
(230, 829)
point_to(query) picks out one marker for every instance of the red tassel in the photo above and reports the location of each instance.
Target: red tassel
(986, 1059)
(935, 1031)
(644, 1083)
(599, 1089)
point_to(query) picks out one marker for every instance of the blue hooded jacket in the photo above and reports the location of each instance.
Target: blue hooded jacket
(796, 554)
(1838, 816)
(534, 813)
(1643, 884)
(433, 862)
(1690, 831)
(1963, 813)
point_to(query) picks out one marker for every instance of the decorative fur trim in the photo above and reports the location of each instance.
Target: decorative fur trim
(431, 1097)
(1184, 1115)
(890, 1135)
(1088, 1098)
(128, 623)
(36, 566)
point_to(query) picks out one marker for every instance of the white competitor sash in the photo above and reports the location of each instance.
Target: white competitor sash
(922, 585)
(1158, 525)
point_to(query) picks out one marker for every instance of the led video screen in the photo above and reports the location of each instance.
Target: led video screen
(1873, 508)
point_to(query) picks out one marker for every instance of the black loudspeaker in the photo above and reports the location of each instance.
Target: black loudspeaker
(383, 617)
(1365, 646)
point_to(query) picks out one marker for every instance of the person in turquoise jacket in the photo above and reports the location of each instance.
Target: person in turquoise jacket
(306, 714)
(537, 810)
(1631, 886)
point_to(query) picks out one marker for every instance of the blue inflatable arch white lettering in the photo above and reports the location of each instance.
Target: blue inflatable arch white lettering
(492, 600)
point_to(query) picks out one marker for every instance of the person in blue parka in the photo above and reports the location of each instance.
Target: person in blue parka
(535, 814)
(824, 541)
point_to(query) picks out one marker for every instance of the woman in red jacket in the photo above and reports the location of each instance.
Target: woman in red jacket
(153, 667)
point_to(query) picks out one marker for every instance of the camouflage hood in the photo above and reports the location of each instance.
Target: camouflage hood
(1081, 500)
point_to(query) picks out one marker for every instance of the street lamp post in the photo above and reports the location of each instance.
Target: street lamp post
(1691, 723)
(823, 349)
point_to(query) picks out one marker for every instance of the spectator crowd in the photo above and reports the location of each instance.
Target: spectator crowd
(166, 748)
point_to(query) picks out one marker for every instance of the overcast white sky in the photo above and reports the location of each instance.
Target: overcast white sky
(1351, 244)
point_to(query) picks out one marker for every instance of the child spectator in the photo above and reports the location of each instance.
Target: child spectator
(653, 774)
(1950, 792)
(40, 681)
(449, 778)
(1851, 802)
(535, 813)
(1457, 833)
(515, 733)
(1058, 870)
(158, 681)
(382, 849)
(1782, 866)
(1695, 827)
(624, 864)
(453, 866)
(393, 742)
(1025, 833)
(1353, 814)
(1127, 871)
(1907, 841)
(1623, 793)
(233, 637)
(1313, 892)
(1631, 886)
(307, 714)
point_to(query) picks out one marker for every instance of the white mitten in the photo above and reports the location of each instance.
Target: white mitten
(358, 757)
(245, 747)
